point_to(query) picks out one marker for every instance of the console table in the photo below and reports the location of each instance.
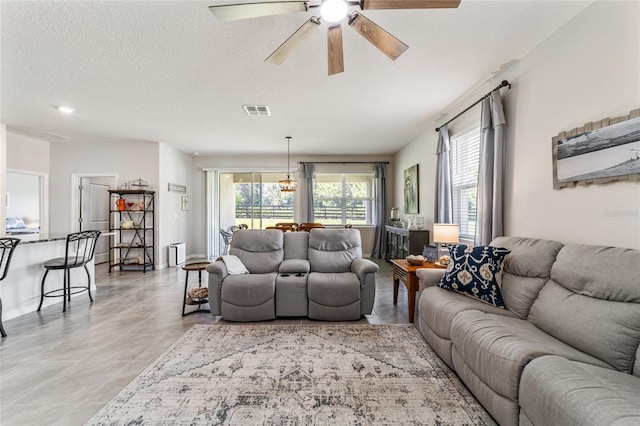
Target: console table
(406, 273)
(401, 242)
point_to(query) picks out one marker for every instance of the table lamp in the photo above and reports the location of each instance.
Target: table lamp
(443, 234)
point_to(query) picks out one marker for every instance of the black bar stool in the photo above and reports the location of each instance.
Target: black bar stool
(80, 250)
(7, 246)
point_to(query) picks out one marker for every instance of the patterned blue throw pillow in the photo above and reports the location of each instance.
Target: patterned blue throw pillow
(476, 272)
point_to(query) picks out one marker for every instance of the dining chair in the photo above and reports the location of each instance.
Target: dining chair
(308, 226)
(226, 237)
(7, 246)
(79, 251)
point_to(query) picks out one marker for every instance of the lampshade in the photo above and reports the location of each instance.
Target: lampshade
(445, 233)
(288, 184)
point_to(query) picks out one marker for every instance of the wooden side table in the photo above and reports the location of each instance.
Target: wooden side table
(198, 266)
(406, 273)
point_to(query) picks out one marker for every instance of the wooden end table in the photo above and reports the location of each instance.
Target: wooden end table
(406, 273)
(197, 266)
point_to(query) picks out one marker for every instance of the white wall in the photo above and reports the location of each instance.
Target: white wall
(174, 223)
(26, 153)
(156, 163)
(586, 71)
(3, 175)
(421, 151)
(127, 160)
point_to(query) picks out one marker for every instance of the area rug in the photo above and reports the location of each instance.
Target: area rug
(296, 375)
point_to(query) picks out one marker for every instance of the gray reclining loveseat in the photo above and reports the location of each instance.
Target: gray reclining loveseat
(320, 274)
(565, 350)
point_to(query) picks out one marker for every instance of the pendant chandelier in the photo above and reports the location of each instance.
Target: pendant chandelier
(288, 185)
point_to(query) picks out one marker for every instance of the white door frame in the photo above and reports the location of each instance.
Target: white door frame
(76, 178)
(44, 197)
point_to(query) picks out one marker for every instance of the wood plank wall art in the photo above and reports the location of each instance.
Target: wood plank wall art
(599, 152)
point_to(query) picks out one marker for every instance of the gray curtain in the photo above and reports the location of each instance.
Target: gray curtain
(380, 209)
(444, 196)
(493, 125)
(308, 172)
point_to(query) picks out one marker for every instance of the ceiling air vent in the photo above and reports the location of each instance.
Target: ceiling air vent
(256, 110)
(46, 135)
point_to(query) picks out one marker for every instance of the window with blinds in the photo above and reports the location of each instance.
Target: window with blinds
(465, 158)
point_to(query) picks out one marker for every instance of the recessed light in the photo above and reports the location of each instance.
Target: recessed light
(66, 109)
(196, 154)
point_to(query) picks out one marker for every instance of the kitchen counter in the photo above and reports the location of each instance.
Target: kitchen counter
(20, 290)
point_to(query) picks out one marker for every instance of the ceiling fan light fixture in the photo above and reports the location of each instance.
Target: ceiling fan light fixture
(334, 10)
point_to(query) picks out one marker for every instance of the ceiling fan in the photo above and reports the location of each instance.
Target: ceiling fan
(332, 11)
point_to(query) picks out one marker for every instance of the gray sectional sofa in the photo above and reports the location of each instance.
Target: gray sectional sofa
(565, 350)
(320, 274)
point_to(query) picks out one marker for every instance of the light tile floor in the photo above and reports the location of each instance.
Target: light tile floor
(61, 368)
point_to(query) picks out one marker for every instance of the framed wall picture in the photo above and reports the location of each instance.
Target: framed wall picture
(599, 152)
(174, 187)
(411, 190)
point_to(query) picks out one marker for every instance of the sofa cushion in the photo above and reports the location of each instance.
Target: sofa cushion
(497, 348)
(261, 250)
(333, 289)
(438, 307)
(525, 270)
(504, 410)
(333, 250)
(475, 272)
(592, 302)
(249, 289)
(296, 245)
(557, 391)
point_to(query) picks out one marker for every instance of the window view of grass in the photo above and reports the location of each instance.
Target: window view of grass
(339, 199)
(343, 198)
(266, 202)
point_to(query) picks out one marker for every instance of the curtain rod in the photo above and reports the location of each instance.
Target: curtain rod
(501, 85)
(343, 162)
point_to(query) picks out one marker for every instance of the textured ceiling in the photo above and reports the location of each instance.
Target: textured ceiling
(168, 71)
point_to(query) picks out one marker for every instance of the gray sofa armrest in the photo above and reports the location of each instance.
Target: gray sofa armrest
(429, 277)
(366, 272)
(217, 273)
(361, 267)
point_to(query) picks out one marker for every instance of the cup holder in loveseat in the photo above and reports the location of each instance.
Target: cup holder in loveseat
(285, 275)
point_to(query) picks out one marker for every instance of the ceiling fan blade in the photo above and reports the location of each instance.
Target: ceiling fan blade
(408, 4)
(334, 45)
(388, 44)
(280, 54)
(232, 12)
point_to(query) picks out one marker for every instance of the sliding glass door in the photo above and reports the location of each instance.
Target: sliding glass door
(250, 198)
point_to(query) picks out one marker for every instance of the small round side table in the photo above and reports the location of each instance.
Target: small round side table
(198, 266)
